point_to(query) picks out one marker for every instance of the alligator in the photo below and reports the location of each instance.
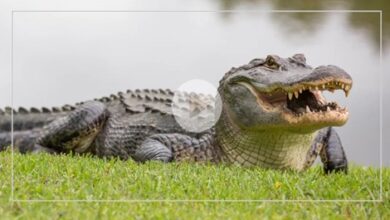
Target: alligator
(273, 116)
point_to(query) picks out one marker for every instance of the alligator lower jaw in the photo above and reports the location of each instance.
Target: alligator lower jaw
(317, 119)
(304, 104)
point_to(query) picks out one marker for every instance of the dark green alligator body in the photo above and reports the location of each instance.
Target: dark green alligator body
(273, 116)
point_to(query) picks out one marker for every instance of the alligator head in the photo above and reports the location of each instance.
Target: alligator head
(278, 93)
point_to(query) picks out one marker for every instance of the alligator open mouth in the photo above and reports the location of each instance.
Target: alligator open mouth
(304, 102)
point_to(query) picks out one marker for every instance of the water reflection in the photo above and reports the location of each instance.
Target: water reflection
(369, 22)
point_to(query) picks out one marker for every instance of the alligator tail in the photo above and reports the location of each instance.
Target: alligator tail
(27, 125)
(24, 141)
(5, 141)
(24, 119)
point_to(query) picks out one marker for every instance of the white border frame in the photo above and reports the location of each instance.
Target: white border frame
(13, 199)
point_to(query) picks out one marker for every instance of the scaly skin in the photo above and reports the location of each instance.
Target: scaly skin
(273, 116)
(276, 149)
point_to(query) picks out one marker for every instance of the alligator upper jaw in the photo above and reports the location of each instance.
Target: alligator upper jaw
(303, 102)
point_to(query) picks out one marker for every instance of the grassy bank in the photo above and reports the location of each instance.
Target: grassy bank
(47, 177)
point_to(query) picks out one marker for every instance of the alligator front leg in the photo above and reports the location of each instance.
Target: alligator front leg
(75, 131)
(178, 147)
(332, 153)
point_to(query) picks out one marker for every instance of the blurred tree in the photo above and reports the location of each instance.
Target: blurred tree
(308, 22)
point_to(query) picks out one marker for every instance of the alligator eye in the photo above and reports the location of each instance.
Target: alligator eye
(271, 63)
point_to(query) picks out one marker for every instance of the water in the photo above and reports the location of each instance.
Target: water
(62, 58)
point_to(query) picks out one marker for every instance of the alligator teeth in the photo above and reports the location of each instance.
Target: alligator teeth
(296, 94)
(346, 93)
(346, 90)
(300, 90)
(327, 108)
(342, 86)
(290, 95)
(307, 109)
(323, 86)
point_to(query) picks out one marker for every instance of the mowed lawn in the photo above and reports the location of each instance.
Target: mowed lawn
(132, 190)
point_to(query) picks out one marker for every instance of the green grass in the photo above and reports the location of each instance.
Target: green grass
(47, 177)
